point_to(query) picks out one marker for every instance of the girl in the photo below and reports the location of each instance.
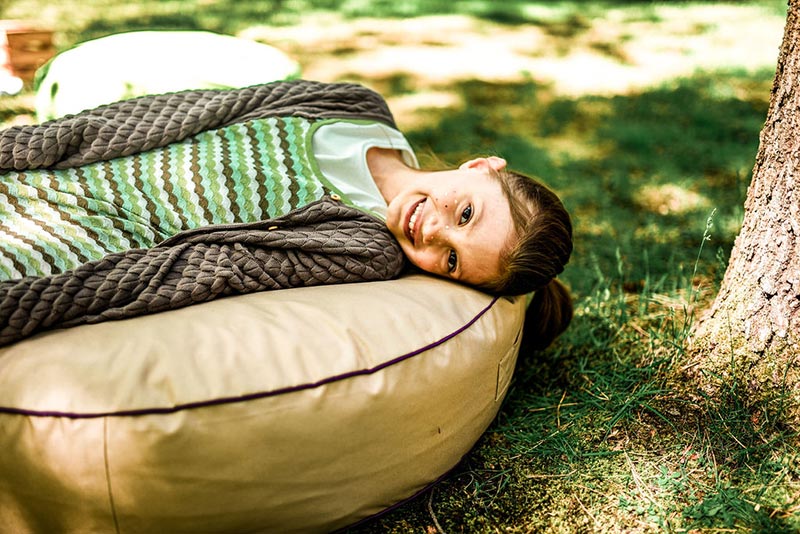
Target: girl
(136, 173)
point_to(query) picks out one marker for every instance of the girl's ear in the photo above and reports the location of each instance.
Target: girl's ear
(492, 162)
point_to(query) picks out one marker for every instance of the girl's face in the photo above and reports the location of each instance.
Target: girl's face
(455, 223)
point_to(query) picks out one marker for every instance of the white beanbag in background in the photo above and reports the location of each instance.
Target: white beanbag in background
(127, 65)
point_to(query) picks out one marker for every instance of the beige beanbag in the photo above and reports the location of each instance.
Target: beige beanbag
(300, 410)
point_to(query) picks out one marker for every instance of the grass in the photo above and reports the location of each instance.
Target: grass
(599, 433)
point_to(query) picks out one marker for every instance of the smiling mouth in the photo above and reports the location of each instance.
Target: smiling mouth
(411, 220)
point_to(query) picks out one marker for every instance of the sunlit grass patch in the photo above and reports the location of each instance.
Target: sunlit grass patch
(16, 110)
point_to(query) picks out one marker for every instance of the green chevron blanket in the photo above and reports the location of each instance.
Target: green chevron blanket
(58, 219)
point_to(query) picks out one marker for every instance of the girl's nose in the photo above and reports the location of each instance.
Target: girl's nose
(435, 234)
(429, 237)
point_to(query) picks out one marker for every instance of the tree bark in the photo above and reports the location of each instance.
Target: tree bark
(752, 331)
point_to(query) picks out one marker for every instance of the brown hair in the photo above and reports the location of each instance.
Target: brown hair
(542, 249)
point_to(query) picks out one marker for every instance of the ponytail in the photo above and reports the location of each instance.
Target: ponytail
(548, 315)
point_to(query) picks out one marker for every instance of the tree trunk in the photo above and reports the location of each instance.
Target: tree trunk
(752, 331)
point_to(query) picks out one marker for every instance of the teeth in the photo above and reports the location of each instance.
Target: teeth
(413, 219)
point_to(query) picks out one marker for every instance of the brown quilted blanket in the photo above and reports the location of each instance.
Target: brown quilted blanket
(325, 242)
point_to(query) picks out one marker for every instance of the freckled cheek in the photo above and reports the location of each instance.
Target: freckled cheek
(424, 260)
(446, 198)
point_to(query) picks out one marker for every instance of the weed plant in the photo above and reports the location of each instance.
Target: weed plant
(598, 433)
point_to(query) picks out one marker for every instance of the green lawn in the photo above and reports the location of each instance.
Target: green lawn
(597, 434)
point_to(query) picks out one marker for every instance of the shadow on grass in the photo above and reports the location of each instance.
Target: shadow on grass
(226, 17)
(566, 21)
(174, 21)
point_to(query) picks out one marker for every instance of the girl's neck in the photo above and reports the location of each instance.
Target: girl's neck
(389, 171)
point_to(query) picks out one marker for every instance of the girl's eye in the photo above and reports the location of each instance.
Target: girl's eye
(466, 215)
(452, 261)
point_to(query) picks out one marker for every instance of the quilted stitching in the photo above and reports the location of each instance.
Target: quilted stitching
(324, 242)
(133, 126)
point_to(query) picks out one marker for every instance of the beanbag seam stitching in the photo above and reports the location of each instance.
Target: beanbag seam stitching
(250, 396)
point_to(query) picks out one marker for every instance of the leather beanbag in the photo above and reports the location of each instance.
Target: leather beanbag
(298, 410)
